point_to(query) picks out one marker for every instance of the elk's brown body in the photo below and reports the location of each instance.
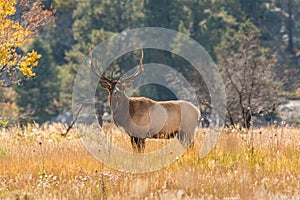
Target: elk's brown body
(144, 118)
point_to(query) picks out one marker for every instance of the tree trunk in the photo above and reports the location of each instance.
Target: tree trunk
(290, 28)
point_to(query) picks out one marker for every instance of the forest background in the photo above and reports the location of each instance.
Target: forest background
(255, 44)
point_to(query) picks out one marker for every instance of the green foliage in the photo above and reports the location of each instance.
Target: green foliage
(60, 37)
(64, 5)
(156, 92)
(94, 22)
(39, 96)
(229, 44)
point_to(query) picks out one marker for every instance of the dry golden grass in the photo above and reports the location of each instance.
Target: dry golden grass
(37, 163)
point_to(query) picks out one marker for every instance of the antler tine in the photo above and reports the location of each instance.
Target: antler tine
(138, 71)
(112, 74)
(101, 76)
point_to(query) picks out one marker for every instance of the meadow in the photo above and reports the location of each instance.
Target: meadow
(36, 162)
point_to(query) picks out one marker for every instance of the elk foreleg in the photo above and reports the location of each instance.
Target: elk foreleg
(138, 144)
(141, 145)
(133, 143)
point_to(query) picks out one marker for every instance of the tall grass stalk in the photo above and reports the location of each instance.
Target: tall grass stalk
(39, 163)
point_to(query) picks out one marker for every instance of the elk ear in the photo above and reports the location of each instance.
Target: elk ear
(128, 83)
(104, 84)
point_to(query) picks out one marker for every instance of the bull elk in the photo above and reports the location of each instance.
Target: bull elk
(142, 117)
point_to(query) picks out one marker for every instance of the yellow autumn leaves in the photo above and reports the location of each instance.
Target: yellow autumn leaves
(29, 61)
(7, 7)
(12, 36)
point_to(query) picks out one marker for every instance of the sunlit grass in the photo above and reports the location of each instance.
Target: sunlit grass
(38, 163)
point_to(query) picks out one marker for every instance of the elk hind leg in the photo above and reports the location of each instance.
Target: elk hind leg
(186, 138)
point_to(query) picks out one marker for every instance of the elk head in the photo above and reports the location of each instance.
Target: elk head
(116, 88)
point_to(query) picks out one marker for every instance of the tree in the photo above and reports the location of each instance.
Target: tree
(95, 21)
(290, 8)
(39, 96)
(248, 73)
(60, 37)
(167, 14)
(19, 23)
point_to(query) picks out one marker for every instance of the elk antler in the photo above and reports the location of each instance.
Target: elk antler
(138, 71)
(100, 75)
